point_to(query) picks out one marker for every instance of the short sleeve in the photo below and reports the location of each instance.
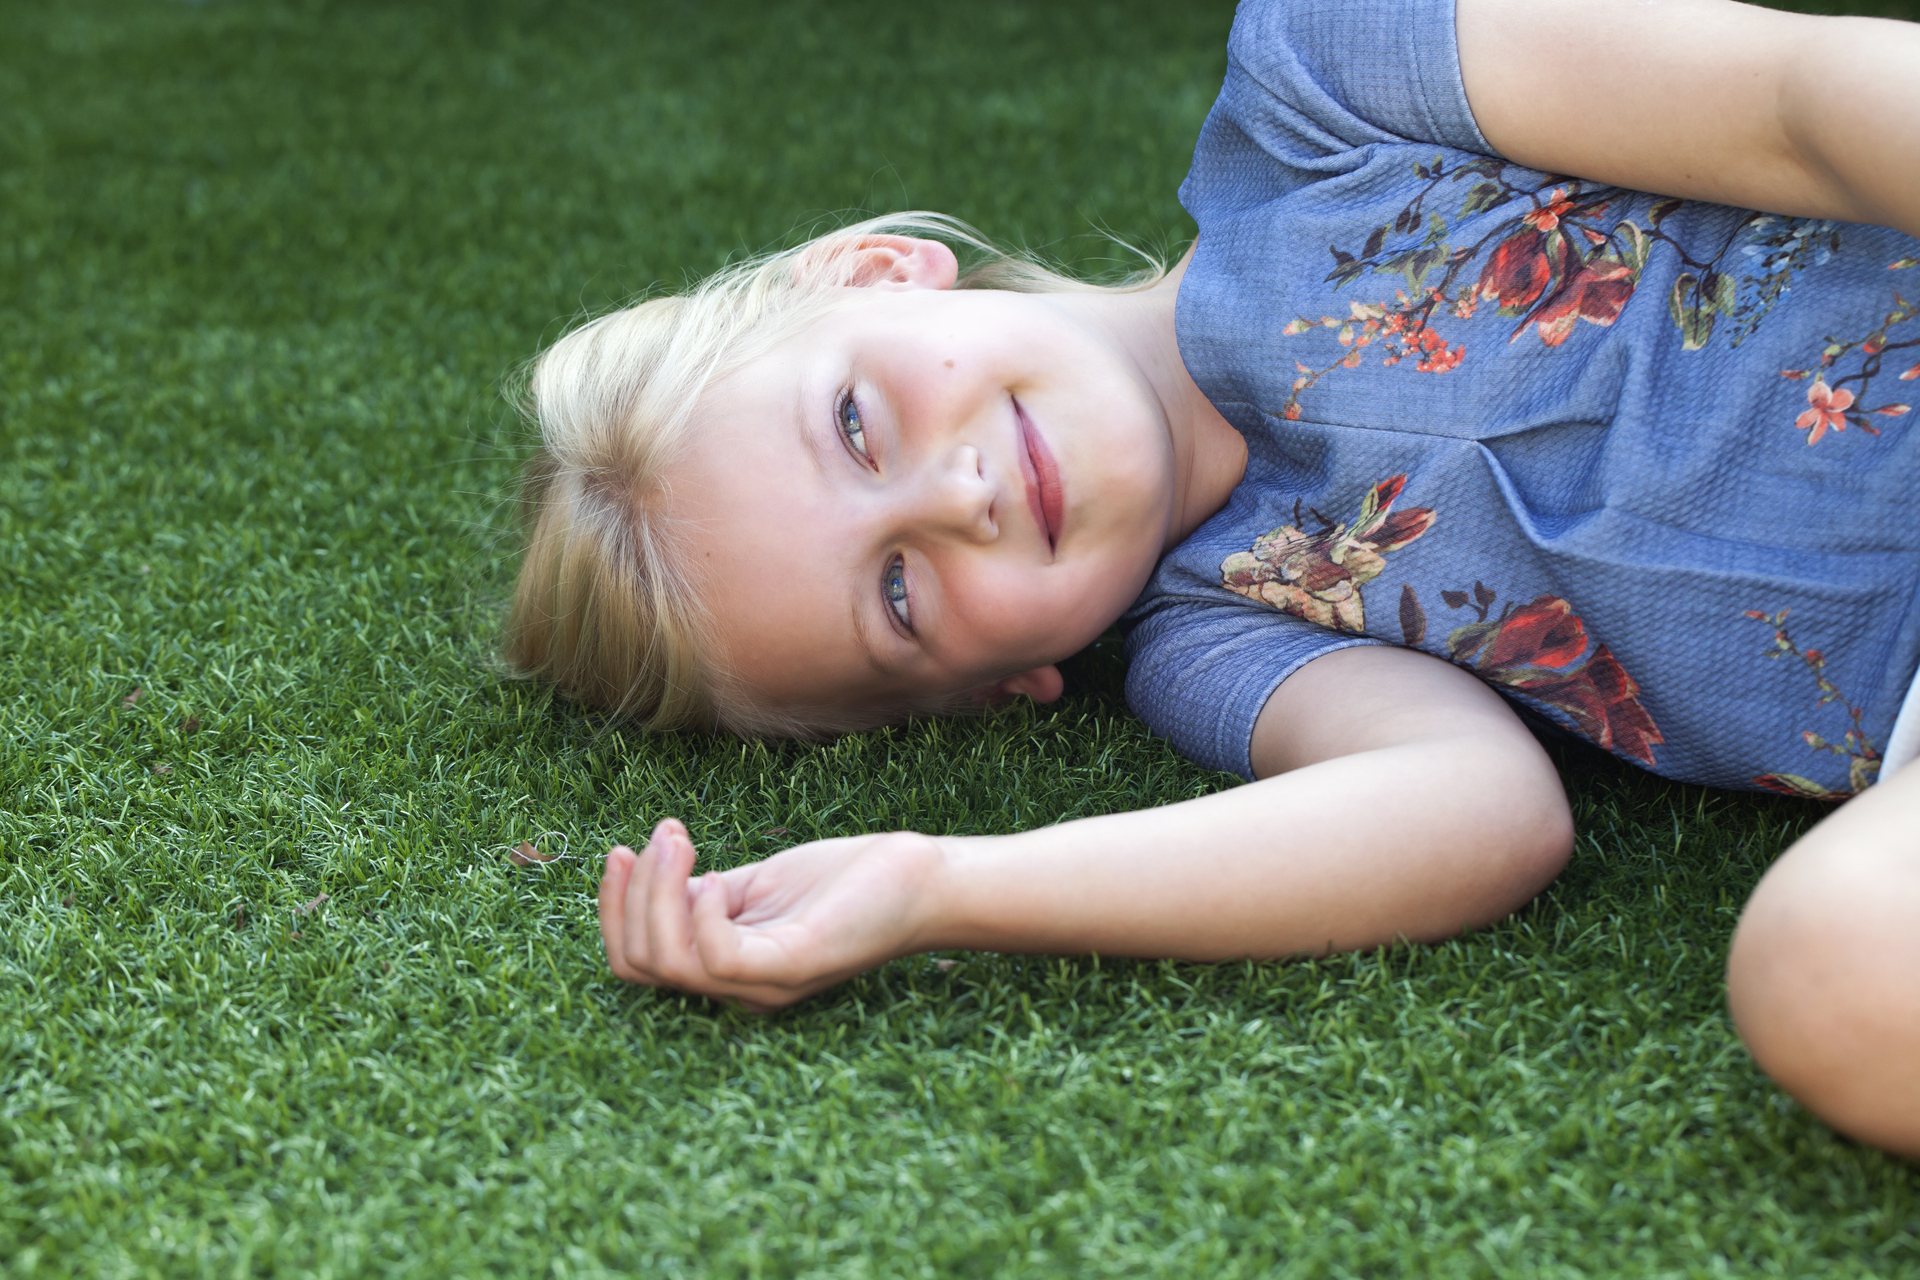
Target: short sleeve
(1200, 671)
(1339, 74)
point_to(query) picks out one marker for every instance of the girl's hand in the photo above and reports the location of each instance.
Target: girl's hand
(1401, 799)
(770, 933)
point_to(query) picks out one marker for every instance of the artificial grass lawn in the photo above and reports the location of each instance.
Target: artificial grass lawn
(263, 267)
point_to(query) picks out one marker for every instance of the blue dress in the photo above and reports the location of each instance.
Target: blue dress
(1647, 466)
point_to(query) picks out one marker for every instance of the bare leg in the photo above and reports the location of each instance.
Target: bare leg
(1824, 977)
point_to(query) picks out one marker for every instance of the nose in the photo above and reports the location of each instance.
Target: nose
(955, 498)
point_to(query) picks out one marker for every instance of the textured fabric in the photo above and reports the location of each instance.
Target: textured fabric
(1646, 466)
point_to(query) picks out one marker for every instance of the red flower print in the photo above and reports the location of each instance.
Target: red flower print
(1435, 355)
(1598, 292)
(1517, 272)
(1544, 633)
(1547, 217)
(1603, 701)
(1549, 254)
(1829, 410)
(1540, 649)
(1540, 273)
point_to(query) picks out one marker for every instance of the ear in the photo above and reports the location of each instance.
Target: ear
(1042, 684)
(899, 262)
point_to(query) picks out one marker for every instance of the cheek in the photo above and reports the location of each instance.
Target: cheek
(1035, 617)
(1125, 464)
(993, 616)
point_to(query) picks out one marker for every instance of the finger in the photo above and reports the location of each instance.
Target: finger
(613, 895)
(669, 936)
(715, 936)
(736, 884)
(636, 941)
(743, 966)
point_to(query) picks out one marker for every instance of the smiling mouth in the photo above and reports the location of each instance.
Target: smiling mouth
(1042, 475)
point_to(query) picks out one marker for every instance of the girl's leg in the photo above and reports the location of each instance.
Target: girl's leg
(1824, 977)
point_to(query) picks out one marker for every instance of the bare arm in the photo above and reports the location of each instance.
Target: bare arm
(1412, 805)
(1707, 99)
(1401, 799)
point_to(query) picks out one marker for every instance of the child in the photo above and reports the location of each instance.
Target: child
(1601, 451)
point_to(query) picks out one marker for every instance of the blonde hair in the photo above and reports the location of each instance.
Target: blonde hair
(602, 609)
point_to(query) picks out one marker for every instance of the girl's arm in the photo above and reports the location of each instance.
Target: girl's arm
(1407, 802)
(1706, 99)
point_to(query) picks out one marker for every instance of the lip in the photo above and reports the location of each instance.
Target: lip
(1042, 474)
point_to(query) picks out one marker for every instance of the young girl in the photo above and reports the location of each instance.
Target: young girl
(1417, 436)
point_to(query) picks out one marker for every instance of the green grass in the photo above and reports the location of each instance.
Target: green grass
(262, 268)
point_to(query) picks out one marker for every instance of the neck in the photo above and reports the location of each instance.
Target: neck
(1209, 456)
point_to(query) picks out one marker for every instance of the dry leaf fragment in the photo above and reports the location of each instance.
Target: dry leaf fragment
(944, 965)
(190, 725)
(307, 909)
(67, 901)
(777, 831)
(133, 697)
(525, 855)
(163, 769)
(294, 934)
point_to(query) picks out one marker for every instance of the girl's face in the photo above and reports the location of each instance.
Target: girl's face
(927, 492)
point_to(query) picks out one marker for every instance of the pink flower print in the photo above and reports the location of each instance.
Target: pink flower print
(1829, 410)
(1829, 407)
(1548, 217)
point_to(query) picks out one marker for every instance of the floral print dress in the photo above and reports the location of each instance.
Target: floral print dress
(1645, 465)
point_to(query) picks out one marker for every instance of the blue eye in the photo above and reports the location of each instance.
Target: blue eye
(894, 587)
(848, 414)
